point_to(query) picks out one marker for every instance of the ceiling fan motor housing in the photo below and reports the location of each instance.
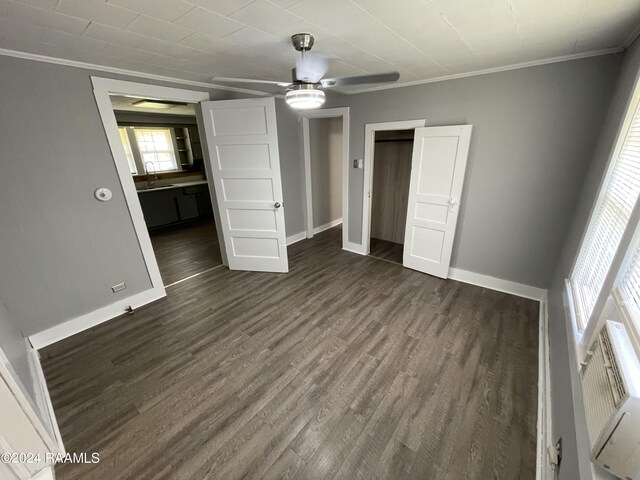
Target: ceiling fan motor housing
(302, 42)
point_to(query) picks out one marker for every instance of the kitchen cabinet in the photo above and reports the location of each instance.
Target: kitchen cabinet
(168, 206)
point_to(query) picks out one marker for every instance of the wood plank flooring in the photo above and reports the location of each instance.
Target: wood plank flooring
(386, 250)
(187, 250)
(347, 367)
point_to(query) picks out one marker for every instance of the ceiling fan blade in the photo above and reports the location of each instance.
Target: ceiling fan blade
(250, 80)
(360, 79)
(311, 67)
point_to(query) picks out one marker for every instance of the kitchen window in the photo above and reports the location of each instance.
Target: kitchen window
(156, 146)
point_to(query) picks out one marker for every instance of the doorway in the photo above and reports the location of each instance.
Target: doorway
(390, 193)
(161, 140)
(126, 162)
(436, 176)
(326, 157)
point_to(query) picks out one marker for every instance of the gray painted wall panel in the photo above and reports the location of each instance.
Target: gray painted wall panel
(562, 395)
(325, 142)
(61, 249)
(534, 130)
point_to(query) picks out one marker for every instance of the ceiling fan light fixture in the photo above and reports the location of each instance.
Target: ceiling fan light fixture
(305, 98)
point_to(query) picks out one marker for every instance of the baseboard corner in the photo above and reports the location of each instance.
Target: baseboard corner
(296, 237)
(96, 317)
(498, 284)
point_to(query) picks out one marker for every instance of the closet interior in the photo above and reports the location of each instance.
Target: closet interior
(390, 193)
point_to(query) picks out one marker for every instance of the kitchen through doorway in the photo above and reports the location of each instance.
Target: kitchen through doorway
(162, 144)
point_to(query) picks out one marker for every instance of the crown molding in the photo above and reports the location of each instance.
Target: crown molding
(132, 73)
(632, 37)
(121, 71)
(515, 66)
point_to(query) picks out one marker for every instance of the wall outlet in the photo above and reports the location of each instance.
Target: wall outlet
(119, 287)
(358, 163)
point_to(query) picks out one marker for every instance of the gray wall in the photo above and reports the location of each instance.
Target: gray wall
(61, 249)
(291, 167)
(534, 130)
(325, 142)
(567, 401)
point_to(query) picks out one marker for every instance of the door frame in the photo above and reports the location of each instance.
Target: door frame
(306, 142)
(369, 158)
(102, 88)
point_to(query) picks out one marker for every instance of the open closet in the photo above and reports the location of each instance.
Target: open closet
(415, 178)
(390, 193)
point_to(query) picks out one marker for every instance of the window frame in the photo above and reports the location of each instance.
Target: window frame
(609, 290)
(171, 143)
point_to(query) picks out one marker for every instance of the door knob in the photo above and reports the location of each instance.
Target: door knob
(452, 201)
(277, 205)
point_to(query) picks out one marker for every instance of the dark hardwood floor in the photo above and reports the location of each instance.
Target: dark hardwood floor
(347, 367)
(386, 250)
(187, 250)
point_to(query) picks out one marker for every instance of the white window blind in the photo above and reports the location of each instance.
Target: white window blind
(124, 137)
(630, 286)
(156, 146)
(607, 225)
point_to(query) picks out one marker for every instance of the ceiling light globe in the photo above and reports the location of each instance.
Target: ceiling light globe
(305, 99)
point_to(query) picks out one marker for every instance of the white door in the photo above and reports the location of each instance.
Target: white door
(437, 174)
(242, 140)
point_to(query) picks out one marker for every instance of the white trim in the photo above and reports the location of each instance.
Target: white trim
(102, 87)
(41, 392)
(474, 73)
(308, 184)
(498, 284)
(327, 226)
(306, 140)
(296, 237)
(354, 248)
(594, 322)
(91, 319)
(367, 174)
(121, 71)
(151, 76)
(544, 470)
(47, 473)
(28, 406)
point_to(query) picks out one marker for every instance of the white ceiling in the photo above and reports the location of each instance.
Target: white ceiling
(422, 39)
(121, 103)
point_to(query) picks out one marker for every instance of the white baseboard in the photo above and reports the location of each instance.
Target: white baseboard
(296, 237)
(544, 425)
(91, 319)
(355, 248)
(42, 398)
(327, 226)
(498, 284)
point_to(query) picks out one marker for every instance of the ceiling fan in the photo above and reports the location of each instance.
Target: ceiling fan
(305, 91)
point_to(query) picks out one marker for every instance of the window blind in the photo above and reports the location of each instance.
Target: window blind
(124, 137)
(630, 286)
(607, 225)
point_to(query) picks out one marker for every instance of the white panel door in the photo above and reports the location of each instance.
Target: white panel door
(437, 174)
(242, 140)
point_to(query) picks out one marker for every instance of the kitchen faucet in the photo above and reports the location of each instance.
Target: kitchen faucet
(150, 183)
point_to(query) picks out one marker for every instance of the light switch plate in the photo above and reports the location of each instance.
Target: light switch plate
(119, 287)
(358, 163)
